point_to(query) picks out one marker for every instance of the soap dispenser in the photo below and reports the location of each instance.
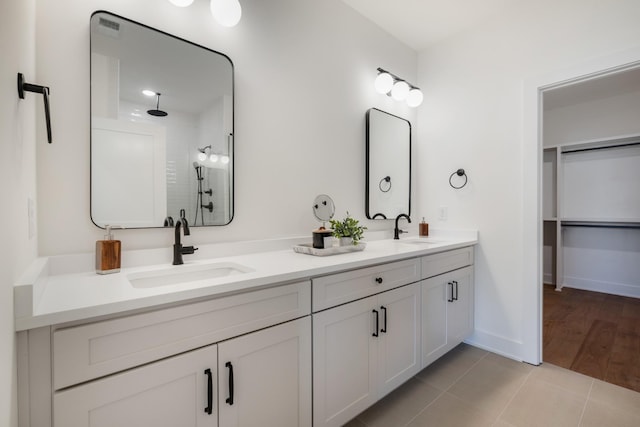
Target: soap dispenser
(424, 228)
(108, 253)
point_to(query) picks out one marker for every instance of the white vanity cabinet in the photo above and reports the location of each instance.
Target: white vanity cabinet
(178, 391)
(365, 348)
(263, 378)
(172, 367)
(447, 302)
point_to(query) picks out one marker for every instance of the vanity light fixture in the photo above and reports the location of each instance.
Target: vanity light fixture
(206, 153)
(399, 89)
(226, 12)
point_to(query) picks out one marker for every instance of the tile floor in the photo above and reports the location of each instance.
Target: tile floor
(473, 387)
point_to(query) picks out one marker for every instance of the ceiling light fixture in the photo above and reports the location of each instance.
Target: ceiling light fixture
(226, 12)
(399, 89)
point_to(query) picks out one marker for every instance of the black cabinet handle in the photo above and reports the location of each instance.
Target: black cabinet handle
(450, 299)
(375, 334)
(230, 398)
(379, 280)
(209, 408)
(384, 328)
(456, 284)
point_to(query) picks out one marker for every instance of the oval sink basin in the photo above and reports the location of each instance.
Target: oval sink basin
(424, 241)
(184, 274)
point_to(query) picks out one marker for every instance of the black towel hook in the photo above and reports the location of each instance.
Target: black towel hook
(44, 90)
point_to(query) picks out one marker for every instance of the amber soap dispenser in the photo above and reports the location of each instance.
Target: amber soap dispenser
(108, 253)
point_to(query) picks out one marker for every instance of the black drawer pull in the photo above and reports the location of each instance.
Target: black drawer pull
(375, 334)
(384, 328)
(209, 408)
(456, 297)
(450, 299)
(379, 280)
(230, 398)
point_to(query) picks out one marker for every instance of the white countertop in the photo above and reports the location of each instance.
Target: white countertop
(51, 292)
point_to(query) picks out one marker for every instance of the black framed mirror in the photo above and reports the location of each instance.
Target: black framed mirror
(388, 165)
(162, 126)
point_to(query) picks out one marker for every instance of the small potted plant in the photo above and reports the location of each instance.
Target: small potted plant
(348, 231)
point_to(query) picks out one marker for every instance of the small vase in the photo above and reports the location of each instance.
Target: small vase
(346, 241)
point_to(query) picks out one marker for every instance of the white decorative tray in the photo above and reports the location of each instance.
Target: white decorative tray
(308, 249)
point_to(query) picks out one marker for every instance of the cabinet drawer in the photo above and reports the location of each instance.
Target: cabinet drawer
(435, 264)
(89, 351)
(329, 291)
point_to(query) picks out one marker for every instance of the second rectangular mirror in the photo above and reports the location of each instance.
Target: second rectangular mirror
(388, 183)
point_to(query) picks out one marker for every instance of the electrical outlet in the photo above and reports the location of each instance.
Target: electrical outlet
(443, 213)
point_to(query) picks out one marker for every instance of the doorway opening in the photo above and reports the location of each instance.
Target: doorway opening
(590, 151)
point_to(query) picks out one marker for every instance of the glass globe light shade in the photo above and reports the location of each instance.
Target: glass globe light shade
(383, 83)
(181, 3)
(224, 159)
(400, 91)
(226, 12)
(213, 158)
(414, 98)
(202, 157)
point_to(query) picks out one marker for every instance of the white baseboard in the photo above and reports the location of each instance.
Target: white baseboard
(497, 344)
(621, 289)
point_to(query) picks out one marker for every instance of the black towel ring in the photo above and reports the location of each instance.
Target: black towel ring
(459, 172)
(385, 179)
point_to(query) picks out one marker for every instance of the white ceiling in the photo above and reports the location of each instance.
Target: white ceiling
(421, 23)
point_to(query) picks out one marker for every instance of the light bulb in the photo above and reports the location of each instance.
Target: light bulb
(414, 98)
(400, 91)
(226, 12)
(181, 3)
(148, 92)
(224, 159)
(213, 158)
(383, 83)
(202, 156)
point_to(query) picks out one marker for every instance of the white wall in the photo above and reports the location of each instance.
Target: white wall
(585, 121)
(304, 79)
(17, 179)
(475, 117)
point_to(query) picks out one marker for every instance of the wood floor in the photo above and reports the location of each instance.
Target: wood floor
(593, 333)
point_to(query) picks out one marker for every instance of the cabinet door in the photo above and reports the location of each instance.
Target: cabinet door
(436, 293)
(399, 344)
(344, 362)
(460, 311)
(265, 377)
(173, 392)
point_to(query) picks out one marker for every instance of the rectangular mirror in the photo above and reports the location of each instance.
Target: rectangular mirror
(388, 183)
(161, 128)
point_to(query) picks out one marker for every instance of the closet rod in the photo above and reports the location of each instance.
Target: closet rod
(603, 225)
(604, 147)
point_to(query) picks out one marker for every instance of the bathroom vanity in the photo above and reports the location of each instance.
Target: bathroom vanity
(277, 338)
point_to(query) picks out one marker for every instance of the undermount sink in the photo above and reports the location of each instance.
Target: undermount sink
(422, 241)
(185, 273)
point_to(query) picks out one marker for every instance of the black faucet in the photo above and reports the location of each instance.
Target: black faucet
(396, 230)
(178, 249)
